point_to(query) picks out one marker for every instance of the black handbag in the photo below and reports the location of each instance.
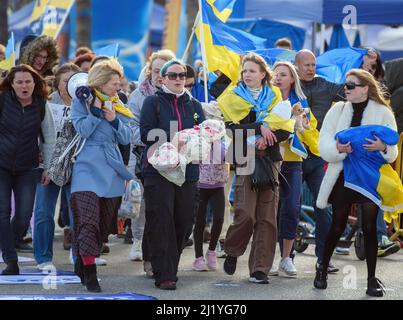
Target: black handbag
(138, 151)
(262, 177)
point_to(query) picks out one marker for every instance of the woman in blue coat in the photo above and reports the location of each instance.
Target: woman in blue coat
(99, 174)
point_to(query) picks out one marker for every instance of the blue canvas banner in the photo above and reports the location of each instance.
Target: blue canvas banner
(112, 296)
(125, 23)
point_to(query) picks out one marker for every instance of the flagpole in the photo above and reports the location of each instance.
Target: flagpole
(203, 51)
(13, 44)
(184, 56)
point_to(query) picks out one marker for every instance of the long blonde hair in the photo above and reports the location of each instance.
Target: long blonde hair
(101, 73)
(253, 57)
(375, 91)
(297, 84)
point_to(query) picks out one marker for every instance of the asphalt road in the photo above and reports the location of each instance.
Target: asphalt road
(122, 275)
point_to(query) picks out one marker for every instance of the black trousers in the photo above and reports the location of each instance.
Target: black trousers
(216, 197)
(170, 216)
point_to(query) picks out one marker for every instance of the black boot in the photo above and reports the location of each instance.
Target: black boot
(11, 269)
(320, 281)
(90, 278)
(129, 235)
(79, 268)
(375, 287)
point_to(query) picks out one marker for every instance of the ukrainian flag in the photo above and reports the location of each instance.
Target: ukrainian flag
(224, 44)
(222, 8)
(9, 62)
(49, 16)
(367, 172)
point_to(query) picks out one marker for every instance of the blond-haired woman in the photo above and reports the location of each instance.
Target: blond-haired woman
(365, 106)
(99, 174)
(294, 149)
(248, 106)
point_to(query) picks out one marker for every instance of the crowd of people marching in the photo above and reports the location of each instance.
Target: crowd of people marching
(285, 116)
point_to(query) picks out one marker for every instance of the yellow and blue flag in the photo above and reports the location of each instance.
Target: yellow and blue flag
(367, 172)
(9, 62)
(222, 8)
(49, 16)
(237, 102)
(224, 44)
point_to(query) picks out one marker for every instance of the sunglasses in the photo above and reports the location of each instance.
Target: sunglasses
(174, 75)
(352, 85)
(189, 86)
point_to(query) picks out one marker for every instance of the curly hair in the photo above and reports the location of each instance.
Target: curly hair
(41, 43)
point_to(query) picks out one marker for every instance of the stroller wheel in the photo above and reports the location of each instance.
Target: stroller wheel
(299, 244)
(359, 245)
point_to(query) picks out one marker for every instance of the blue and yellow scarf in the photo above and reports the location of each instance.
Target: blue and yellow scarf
(237, 103)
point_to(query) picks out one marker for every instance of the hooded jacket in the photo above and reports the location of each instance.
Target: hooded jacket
(30, 48)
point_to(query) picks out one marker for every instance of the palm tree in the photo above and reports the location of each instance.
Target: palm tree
(3, 22)
(83, 23)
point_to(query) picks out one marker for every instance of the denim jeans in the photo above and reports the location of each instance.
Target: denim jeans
(290, 199)
(23, 184)
(44, 225)
(380, 226)
(313, 173)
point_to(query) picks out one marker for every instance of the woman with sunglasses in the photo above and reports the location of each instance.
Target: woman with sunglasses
(169, 208)
(151, 84)
(365, 106)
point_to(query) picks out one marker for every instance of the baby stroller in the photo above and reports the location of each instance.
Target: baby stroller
(306, 227)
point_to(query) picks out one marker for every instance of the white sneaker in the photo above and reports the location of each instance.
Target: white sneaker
(342, 251)
(287, 266)
(46, 266)
(100, 262)
(273, 271)
(220, 250)
(136, 253)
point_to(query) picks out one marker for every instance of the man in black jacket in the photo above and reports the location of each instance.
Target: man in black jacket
(320, 94)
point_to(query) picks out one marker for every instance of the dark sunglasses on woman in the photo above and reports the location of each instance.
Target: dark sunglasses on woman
(174, 75)
(352, 85)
